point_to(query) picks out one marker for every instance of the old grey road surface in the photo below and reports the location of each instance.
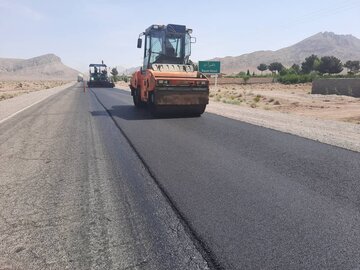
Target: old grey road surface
(74, 195)
(90, 182)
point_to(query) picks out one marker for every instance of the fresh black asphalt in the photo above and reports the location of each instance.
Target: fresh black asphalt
(254, 197)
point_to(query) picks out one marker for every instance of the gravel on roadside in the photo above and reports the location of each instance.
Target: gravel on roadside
(341, 134)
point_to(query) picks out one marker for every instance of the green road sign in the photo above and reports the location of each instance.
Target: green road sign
(211, 67)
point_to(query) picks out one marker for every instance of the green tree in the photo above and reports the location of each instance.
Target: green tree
(296, 68)
(276, 66)
(262, 67)
(352, 66)
(248, 73)
(330, 65)
(286, 71)
(311, 63)
(114, 72)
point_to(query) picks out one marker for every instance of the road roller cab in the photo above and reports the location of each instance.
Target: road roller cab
(167, 81)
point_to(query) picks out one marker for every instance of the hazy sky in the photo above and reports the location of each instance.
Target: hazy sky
(87, 31)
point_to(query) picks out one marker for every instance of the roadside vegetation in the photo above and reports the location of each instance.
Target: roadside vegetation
(115, 77)
(241, 95)
(313, 67)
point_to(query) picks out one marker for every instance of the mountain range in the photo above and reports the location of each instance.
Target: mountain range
(45, 67)
(345, 47)
(50, 67)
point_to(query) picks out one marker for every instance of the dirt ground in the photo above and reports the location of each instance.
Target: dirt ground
(122, 85)
(10, 89)
(292, 99)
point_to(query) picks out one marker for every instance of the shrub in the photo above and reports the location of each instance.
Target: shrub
(257, 98)
(246, 78)
(241, 74)
(296, 78)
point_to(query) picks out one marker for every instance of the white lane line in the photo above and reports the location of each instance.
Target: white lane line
(23, 109)
(27, 107)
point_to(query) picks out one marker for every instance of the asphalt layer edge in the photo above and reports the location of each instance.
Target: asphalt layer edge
(199, 243)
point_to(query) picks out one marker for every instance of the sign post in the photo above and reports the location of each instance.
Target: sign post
(211, 68)
(216, 76)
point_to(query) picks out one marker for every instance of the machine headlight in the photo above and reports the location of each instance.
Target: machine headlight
(162, 82)
(203, 83)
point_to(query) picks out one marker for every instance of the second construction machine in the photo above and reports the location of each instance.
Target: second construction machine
(98, 76)
(167, 82)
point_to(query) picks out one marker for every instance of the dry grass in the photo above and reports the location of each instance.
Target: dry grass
(292, 99)
(11, 89)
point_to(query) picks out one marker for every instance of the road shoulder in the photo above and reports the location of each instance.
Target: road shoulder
(341, 134)
(13, 106)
